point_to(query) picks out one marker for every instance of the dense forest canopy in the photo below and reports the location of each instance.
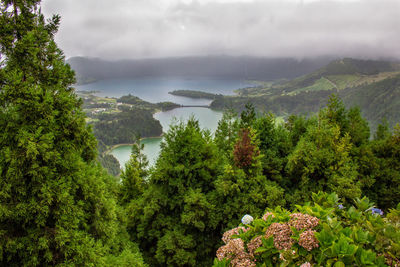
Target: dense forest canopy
(57, 205)
(202, 185)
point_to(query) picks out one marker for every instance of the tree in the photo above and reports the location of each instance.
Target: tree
(349, 121)
(226, 133)
(110, 163)
(275, 145)
(336, 113)
(133, 183)
(246, 154)
(242, 188)
(382, 131)
(57, 206)
(358, 127)
(176, 215)
(321, 161)
(386, 189)
(248, 116)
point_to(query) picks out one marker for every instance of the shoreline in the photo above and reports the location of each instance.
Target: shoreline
(129, 144)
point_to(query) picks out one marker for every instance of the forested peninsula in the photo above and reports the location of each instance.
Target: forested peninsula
(121, 120)
(317, 190)
(195, 94)
(118, 121)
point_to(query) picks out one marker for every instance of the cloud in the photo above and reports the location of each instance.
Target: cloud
(272, 28)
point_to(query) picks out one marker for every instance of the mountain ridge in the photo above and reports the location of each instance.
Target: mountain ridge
(246, 68)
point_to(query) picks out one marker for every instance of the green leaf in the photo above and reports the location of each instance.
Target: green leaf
(339, 264)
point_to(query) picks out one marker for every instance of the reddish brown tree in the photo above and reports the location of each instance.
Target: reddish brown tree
(245, 150)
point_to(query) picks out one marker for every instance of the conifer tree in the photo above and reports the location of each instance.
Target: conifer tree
(321, 161)
(176, 216)
(57, 206)
(133, 183)
(275, 145)
(386, 160)
(226, 133)
(242, 188)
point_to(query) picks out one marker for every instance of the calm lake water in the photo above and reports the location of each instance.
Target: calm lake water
(156, 90)
(208, 119)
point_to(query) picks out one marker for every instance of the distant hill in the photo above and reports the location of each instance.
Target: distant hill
(377, 100)
(372, 85)
(339, 74)
(246, 68)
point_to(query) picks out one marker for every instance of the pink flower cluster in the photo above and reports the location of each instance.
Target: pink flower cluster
(235, 231)
(307, 240)
(282, 235)
(254, 244)
(234, 250)
(303, 221)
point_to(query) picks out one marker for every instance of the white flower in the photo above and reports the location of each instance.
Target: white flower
(247, 219)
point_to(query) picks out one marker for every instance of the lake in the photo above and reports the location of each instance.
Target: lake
(207, 118)
(156, 90)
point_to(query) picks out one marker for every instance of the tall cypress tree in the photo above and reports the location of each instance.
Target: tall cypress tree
(56, 205)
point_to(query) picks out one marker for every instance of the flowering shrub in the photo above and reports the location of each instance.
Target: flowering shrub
(324, 233)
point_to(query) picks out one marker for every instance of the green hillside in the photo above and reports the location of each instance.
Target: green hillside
(377, 100)
(372, 85)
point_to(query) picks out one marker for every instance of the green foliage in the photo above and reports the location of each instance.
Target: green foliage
(121, 128)
(240, 193)
(226, 133)
(377, 100)
(57, 206)
(321, 161)
(371, 85)
(248, 115)
(242, 187)
(175, 220)
(133, 176)
(275, 145)
(110, 163)
(386, 157)
(358, 127)
(382, 131)
(324, 233)
(117, 121)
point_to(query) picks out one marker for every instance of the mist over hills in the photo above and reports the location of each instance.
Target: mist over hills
(297, 87)
(246, 68)
(372, 85)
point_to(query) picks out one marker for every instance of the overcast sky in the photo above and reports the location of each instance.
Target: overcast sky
(116, 29)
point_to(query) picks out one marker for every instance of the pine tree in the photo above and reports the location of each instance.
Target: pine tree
(57, 206)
